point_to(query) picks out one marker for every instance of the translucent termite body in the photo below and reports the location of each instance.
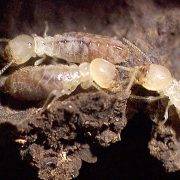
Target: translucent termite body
(158, 78)
(41, 82)
(75, 47)
(78, 47)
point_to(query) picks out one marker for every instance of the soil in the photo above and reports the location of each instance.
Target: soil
(94, 134)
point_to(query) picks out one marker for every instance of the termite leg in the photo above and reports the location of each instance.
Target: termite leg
(134, 72)
(53, 96)
(40, 61)
(166, 112)
(149, 99)
(133, 46)
(133, 77)
(55, 61)
(46, 29)
(5, 67)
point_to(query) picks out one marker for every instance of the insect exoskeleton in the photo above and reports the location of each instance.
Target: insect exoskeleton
(41, 82)
(76, 47)
(105, 74)
(20, 49)
(158, 78)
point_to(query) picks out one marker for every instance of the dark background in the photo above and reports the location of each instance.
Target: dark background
(152, 25)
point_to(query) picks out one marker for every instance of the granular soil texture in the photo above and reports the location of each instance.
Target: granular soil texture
(93, 134)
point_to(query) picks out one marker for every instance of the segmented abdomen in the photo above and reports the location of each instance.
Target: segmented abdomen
(81, 47)
(36, 83)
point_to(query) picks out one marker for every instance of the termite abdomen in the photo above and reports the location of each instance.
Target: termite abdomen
(21, 85)
(83, 47)
(36, 83)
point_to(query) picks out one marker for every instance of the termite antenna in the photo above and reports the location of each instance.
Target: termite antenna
(5, 67)
(46, 28)
(4, 40)
(136, 48)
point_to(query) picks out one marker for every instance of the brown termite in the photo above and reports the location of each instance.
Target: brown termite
(74, 47)
(44, 82)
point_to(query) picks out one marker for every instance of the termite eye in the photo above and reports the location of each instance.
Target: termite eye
(103, 73)
(157, 78)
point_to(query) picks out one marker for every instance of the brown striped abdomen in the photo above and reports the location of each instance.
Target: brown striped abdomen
(81, 47)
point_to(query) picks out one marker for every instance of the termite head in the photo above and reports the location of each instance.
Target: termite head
(20, 49)
(156, 78)
(104, 74)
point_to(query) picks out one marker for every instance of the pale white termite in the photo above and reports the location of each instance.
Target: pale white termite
(75, 47)
(158, 78)
(154, 77)
(43, 82)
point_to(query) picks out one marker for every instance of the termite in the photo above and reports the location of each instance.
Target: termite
(75, 47)
(44, 82)
(158, 78)
(154, 77)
